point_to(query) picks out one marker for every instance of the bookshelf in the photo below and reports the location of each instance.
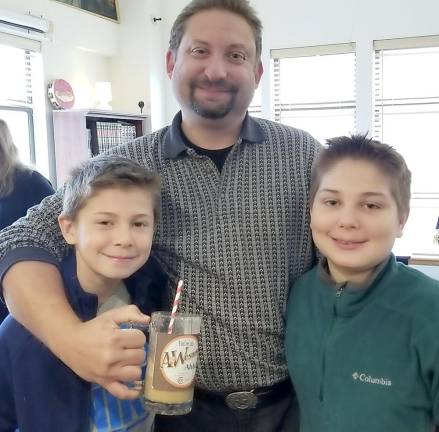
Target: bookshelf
(79, 134)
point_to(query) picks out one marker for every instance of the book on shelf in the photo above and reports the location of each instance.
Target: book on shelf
(112, 134)
(89, 149)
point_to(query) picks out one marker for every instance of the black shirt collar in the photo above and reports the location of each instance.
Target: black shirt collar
(174, 144)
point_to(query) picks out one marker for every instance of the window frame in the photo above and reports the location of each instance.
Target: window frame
(30, 123)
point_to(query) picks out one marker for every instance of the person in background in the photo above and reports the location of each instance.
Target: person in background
(111, 206)
(234, 227)
(362, 329)
(20, 187)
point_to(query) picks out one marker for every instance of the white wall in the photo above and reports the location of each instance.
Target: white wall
(156, 57)
(130, 68)
(294, 23)
(170, 11)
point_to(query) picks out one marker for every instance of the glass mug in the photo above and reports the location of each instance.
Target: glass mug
(171, 363)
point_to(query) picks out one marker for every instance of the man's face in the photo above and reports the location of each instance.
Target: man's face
(215, 70)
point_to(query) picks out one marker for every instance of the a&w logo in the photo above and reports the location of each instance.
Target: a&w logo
(365, 378)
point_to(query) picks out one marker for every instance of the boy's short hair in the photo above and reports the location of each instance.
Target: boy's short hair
(358, 147)
(238, 7)
(108, 171)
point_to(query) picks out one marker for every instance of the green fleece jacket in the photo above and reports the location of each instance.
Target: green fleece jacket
(365, 359)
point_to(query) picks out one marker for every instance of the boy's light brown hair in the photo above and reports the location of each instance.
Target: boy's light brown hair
(108, 171)
(383, 156)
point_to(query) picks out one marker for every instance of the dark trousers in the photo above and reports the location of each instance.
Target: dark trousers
(214, 416)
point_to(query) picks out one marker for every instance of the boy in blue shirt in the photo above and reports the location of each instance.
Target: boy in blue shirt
(362, 341)
(111, 206)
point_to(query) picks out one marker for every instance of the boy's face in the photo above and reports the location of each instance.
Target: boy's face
(112, 235)
(354, 219)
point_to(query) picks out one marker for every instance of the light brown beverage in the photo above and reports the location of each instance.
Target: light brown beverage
(172, 360)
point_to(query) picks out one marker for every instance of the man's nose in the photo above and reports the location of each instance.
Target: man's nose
(216, 68)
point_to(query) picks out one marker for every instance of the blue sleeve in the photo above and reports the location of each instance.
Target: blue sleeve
(149, 287)
(39, 188)
(8, 418)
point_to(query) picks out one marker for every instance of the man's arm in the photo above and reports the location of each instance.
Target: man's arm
(96, 350)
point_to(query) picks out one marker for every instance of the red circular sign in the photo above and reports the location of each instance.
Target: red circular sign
(61, 94)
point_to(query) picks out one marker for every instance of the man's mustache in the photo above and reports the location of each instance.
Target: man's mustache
(221, 85)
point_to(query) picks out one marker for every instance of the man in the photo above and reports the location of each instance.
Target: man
(234, 226)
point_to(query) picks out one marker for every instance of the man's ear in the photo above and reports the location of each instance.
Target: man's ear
(67, 229)
(258, 72)
(170, 63)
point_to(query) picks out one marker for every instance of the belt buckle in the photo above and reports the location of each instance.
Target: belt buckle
(241, 400)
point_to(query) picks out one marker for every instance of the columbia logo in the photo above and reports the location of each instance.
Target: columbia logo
(365, 378)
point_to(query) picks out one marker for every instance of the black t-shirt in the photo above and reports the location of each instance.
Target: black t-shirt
(218, 156)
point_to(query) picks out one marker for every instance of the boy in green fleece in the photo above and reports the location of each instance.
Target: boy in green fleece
(362, 336)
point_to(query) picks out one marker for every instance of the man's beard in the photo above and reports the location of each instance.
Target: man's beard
(220, 110)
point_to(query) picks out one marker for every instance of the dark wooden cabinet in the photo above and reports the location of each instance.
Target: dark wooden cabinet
(76, 135)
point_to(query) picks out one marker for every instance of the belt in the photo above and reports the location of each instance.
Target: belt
(242, 400)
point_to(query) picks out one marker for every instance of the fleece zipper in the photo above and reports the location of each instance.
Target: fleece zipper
(338, 294)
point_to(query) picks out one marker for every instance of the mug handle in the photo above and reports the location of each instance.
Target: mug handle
(138, 385)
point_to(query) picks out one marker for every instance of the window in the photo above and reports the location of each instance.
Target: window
(314, 89)
(406, 116)
(255, 108)
(22, 88)
(16, 101)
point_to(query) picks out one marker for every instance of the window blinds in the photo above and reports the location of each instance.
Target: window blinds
(313, 88)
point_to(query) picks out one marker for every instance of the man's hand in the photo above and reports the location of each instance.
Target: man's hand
(96, 350)
(99, 351)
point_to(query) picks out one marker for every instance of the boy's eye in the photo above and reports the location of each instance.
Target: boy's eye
(103, 222)
(330, 202)
(141, 224)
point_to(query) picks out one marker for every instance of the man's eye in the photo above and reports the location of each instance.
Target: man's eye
(198, 51)
(103, 222)
(238, 56)
(371, 206)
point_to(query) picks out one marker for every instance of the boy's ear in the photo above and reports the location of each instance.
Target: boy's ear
(67, 229)
(402, 221)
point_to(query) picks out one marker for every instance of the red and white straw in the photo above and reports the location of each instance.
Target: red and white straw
(175, 305)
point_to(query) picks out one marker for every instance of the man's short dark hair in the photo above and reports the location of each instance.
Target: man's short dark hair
(238, 7)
